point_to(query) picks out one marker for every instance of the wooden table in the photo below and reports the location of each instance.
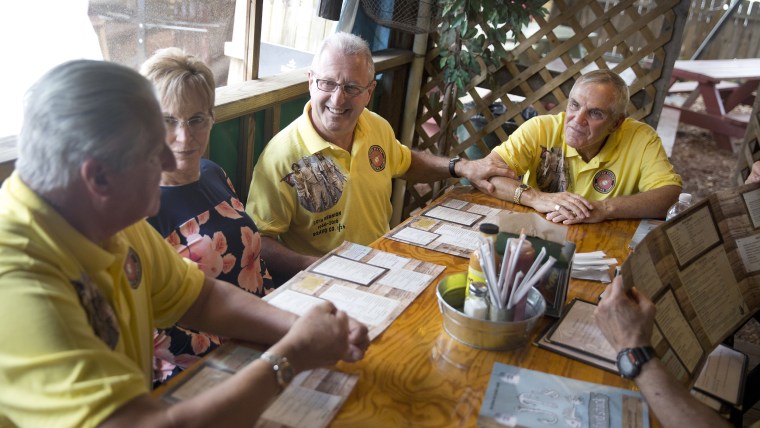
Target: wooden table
(717, 117)
(415, 374)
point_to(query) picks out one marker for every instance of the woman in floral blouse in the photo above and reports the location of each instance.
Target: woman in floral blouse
(201, 215)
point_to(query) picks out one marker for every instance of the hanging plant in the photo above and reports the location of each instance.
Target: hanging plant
(472, 34)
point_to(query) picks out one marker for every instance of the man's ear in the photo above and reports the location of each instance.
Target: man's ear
(95, 176)
(370, 90)
(617, 124)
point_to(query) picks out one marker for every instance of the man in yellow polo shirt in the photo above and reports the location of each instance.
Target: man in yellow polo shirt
(590, 163)
(85, 280)
(327, 177)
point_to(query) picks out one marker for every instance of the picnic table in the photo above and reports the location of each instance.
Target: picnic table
(723, 85)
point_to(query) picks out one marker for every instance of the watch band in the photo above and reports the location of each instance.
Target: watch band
(518, 192)
(630, 360)
(452, 162)
(281, 366)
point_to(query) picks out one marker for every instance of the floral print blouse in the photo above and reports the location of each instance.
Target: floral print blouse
(206, 222)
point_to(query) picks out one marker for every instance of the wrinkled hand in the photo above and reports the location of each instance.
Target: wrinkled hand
(317, 339)
(479, 171)
(358, 341)
(568, 215)
(754, 175)
(625, 318)
(563, 206)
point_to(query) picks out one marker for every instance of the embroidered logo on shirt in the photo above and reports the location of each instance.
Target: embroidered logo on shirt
(377, 158)
(133, 269)
(100, 314)
(604, 181)
(318, 182)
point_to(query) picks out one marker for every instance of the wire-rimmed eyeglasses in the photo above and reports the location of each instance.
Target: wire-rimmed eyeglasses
(349, 89)
(196, 123)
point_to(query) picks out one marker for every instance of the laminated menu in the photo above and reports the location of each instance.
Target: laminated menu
(371, 286)
(702, 270)
(311, 400)
(518, 397)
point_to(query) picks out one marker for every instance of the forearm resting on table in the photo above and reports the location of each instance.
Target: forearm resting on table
(650, 204)
(504, 189)
(281, 261)
(229, 311)
(238, 401)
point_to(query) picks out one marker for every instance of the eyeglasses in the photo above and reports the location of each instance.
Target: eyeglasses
(194, 124)
(348, 89)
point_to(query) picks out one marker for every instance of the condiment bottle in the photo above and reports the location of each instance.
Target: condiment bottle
(475, 304)
(474, 270)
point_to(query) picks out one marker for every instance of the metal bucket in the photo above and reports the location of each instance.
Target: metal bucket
(485, 334)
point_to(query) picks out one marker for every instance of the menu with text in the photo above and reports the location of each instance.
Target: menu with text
(370, 285)
(311, 400)
(702, 270)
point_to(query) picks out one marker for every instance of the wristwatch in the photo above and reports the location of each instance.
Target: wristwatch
(630, 360)
(453, 161)
(281, 366)
(518, 192)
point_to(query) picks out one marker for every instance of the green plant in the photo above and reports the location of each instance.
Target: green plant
(472, 34)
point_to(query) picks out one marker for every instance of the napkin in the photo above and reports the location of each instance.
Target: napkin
(593, 266)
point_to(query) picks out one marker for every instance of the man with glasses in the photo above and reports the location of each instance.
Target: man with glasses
(590, 163)
(339, 134)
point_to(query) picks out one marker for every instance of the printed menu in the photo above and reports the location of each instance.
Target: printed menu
(452, 227)
(312, 399)
(702, 270)
(370, 285)
(518, 397)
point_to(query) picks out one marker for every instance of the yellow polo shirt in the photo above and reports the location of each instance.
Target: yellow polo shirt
(631, 161)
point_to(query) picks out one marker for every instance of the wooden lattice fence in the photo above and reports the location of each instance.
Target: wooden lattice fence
(545, 60)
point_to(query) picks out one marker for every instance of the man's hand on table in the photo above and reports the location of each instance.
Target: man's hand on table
(564, 207)
(570, 215)
(321, 337)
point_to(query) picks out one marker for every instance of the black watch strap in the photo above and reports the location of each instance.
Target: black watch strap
(630, 360)
(452, 162)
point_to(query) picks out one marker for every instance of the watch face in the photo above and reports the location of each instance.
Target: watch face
(626, 366)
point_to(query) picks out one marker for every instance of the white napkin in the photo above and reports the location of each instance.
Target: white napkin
(593, 266)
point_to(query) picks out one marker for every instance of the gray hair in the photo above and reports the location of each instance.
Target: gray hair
(81, 110)
(177, 76)
(608, 77)
(346, 44)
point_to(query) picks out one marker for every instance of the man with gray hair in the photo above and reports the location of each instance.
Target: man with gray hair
(589, 163)
(84, 279)
(338, 132)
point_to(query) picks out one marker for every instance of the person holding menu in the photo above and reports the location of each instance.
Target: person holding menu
(84, 279)
(626, 320)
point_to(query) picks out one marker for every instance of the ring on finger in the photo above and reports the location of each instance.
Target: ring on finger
(557, 207)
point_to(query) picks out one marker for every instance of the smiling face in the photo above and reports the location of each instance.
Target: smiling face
(188, 129)
(590, 117)
(335, 114)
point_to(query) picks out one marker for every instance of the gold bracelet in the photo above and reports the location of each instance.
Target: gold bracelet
(518, 192)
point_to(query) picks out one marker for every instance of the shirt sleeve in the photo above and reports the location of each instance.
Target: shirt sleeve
(269, 203)
(519, 151)
(656, 169)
